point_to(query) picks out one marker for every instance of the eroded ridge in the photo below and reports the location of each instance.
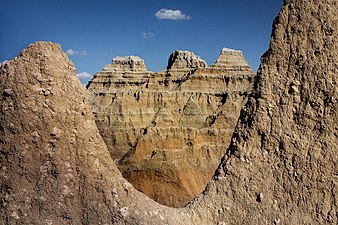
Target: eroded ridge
(167, 131)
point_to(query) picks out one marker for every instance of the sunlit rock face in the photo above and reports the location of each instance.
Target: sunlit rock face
(50, 149)
(54, 166)
(280, 167)
(128, 63)
(167, 131)
(185, 60)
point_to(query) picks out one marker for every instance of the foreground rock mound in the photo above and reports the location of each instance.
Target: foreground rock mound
(167, 131)
(281, 167)
(55, 167)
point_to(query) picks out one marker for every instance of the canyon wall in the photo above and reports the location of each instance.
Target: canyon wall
(167, 131)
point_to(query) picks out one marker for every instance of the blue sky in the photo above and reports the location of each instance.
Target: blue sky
(93, 32)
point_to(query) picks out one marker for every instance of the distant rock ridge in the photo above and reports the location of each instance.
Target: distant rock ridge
(163, 129)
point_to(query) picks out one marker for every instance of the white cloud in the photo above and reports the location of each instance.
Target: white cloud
(84, 53)
(169, 14)
(84, 75)
(147, 35)
(71, 52)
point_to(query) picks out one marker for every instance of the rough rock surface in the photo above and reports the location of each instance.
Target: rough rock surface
(167, 131)
(231, 58)
(281, 167)
(185, 60)
(129, 63)
(55, 167)
(282, 164)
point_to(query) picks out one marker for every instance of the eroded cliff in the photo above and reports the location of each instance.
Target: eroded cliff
(281, 167)
(167, 131)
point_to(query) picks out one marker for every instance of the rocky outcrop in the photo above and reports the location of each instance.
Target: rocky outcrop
(185, 60)
(55, 167)
(230, 58)
(281, 167)
(129, 63)
(167, 131)
(282, 164)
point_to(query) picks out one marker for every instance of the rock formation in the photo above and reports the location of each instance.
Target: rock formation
(55, 167)
(281, 167)
(129, 63)
(167, 131)
(282, 164)
(185, 60)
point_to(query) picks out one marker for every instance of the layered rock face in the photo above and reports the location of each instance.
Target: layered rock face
(129, 63)
(281, 167)
(167, 131)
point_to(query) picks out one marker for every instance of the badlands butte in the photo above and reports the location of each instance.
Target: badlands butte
(271, 138)
(167, 131)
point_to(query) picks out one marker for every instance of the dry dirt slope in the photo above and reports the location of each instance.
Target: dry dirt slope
(281, 167)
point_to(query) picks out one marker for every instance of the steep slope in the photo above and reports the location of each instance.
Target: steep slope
(282, 165)
(167, 131)
(55, 167)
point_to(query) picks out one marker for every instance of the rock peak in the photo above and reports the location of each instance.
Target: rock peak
(127, 59)
(126, 63)
(229, 51)
(231, 58)
(185, 60)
